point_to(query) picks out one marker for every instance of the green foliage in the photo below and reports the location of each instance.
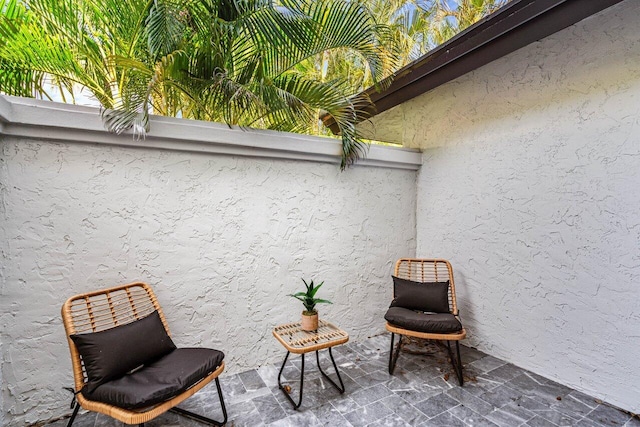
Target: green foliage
(450, 18)
(308, 297)
(235, 61)
(252, 63)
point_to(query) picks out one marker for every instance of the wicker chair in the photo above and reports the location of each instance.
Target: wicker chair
(428, 270)
(109, 309)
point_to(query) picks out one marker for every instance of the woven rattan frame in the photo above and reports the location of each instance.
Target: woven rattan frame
(297, 341)
(428, 270)
(105, 309)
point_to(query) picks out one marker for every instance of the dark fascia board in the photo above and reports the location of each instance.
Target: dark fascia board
(517, 24)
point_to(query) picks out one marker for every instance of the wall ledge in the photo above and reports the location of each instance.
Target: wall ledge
(38, 119)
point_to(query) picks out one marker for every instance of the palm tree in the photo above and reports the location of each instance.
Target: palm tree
(450, 18)
(413, 27)
(13, 79)
(75, 43)
(404, 24)
(237, 61)
(410, 26)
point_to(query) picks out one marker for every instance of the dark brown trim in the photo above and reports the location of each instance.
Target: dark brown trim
(510, 28)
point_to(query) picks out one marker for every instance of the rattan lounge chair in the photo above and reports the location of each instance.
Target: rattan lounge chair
(123, 329)
(424, 279)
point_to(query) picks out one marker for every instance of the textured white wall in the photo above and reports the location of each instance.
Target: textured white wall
(222, 239)
(531, 186)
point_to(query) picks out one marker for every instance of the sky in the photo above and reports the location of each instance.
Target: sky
(82, 95)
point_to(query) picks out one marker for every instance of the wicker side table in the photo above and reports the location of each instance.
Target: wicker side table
(297, 341)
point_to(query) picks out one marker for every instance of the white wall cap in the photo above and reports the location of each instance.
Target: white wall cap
(32, 118)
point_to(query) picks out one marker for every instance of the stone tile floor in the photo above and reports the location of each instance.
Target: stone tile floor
(495, 393)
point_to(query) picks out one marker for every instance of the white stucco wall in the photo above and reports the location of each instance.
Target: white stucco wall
(530, 185)
(223, 240)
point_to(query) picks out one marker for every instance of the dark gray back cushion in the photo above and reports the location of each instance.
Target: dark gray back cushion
(422, 296)
(112, 353)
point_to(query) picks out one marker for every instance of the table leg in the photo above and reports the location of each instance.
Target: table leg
(341, 388)
(286, 394)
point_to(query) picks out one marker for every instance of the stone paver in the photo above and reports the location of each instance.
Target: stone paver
(422, 392)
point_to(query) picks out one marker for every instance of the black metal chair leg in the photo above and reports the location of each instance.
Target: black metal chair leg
(201, 418)
(393, 358)
(224, 408)
(460, 377)
(73, 416)
(286, 394)
(457, 362)
(341, 387)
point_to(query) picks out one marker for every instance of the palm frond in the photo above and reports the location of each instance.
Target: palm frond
(164, 27)
(16, 79)
(350, 25)
(329, 97)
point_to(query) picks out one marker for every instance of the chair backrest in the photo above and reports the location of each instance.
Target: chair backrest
(105, 309)
(428, 270)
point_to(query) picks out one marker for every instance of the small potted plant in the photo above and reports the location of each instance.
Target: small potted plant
(309, 300)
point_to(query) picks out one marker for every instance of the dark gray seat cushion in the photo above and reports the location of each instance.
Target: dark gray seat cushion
(159, 380)
(423, 322)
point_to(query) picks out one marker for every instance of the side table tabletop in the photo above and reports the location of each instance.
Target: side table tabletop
(297, 341)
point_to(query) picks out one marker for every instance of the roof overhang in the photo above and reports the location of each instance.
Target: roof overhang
(513, 26)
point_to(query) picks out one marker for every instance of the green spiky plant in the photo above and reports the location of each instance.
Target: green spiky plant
(309, 299)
